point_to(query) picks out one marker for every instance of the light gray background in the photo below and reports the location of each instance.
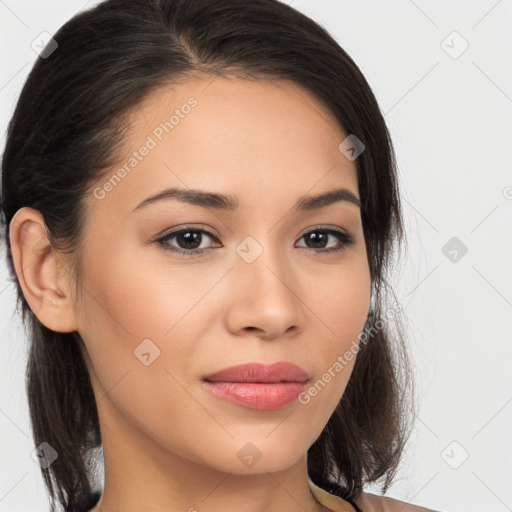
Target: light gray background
(450, 117)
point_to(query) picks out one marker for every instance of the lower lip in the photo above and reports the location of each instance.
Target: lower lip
(257, 395)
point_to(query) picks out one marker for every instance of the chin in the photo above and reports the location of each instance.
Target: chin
(256, 456)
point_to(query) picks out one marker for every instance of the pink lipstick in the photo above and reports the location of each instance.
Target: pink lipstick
(258, 385)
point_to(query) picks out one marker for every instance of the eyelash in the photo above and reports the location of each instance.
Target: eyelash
(344, 238)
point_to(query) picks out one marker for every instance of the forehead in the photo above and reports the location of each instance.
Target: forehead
(233, 135)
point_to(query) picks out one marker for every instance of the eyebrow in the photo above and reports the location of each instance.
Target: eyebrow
(230, 203)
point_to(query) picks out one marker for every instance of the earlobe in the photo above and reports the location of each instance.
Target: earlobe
(36, 265)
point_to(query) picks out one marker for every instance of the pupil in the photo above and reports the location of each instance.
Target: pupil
(317, 237)
(188, 238)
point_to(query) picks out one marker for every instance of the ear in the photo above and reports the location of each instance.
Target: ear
(45, 283)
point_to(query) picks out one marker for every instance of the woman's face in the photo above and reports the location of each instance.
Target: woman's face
(268, 286)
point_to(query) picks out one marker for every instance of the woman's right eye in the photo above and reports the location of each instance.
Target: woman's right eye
(186, 236)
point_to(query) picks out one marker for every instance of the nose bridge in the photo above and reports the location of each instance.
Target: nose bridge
(265, 296)
(263, 261)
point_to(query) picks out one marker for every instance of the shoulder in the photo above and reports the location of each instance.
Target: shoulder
(369, 502)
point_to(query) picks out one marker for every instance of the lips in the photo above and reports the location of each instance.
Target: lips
(259, 372)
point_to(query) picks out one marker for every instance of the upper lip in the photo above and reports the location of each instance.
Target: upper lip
(259, 372)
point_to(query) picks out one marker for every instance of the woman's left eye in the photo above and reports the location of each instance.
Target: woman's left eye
(190, 240)
(319, 235)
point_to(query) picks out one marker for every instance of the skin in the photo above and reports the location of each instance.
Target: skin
(169, 444)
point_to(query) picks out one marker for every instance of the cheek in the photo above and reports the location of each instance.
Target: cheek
(342, 309)
(131, 360)
(131, 300)
(116, 314)
(135, 314)
(342, 301)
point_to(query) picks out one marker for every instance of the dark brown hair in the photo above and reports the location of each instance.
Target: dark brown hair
(63, 137)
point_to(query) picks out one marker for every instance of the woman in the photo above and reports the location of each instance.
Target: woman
(200, 202)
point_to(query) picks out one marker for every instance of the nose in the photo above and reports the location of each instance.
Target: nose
(266, 297)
